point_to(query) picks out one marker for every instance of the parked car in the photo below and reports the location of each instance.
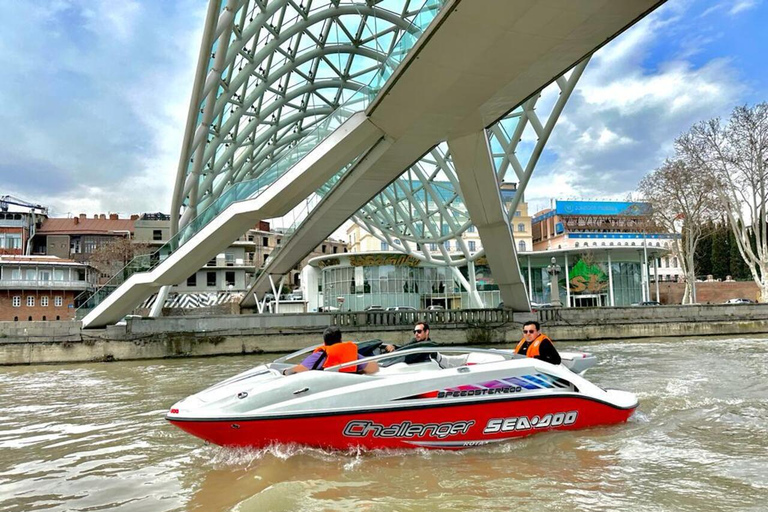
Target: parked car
(739, 301)
(401, 308)
(435, 307)
(374, 308)
(647, 303)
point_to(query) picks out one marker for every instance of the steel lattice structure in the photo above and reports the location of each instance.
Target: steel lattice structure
(425, 205)
(278, 70)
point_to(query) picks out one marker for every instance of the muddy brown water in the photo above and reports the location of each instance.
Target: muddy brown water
(92, 437)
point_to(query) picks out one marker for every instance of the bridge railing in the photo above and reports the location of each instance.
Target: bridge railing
(432, 317)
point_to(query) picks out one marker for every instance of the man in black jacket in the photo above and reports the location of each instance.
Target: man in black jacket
(420, 339)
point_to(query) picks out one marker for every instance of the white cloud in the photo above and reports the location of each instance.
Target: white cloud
(96, 110)
(633, 100)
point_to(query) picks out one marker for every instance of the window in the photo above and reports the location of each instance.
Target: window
(265, 241)
(211, 262)
(447, 245)
(471, 228)
(229, 258)
(265, 258)
(521, 227)
(90, 245)
(323, 249)
(384, 246)
(44, 302)
(471, 244)
(157, 234)
(192, 280)
(211, 278)
(229, 278)
(432, 247)
(30, 301)
(45, 275)
(521, 246)
(518, 213)
(16, 301)
(58, 301)
(335, 249)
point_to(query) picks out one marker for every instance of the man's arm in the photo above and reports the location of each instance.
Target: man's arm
(548, 352)
(311, 362)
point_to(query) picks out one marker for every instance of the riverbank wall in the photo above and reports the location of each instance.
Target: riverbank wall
(190, 336)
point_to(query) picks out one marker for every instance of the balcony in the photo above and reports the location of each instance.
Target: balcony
(32, 284)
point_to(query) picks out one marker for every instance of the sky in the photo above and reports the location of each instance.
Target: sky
(95, 94)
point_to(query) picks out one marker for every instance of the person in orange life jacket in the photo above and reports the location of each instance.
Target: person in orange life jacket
(538, 345)
(333, 352)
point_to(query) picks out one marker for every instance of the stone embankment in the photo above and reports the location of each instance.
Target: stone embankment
(67, 342)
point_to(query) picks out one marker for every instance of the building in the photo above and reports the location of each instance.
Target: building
(572, 225)
(228, 275)
(588, 277)
(77, 238)
(40, 288)
(19, 221)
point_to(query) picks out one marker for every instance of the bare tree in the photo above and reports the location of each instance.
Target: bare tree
(735, 156)
(682, 202)
(111, 257)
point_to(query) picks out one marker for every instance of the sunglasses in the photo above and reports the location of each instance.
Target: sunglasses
(528, 332)
(418, 331)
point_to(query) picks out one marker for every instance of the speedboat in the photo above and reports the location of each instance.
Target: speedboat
(487, 396)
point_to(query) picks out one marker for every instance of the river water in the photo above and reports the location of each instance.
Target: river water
(92, 437)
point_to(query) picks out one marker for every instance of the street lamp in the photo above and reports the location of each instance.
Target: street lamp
(553, 269)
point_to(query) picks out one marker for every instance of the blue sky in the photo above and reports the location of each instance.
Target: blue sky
(95, 95)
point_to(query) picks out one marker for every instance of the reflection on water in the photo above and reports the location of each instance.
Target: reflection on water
(92, 437)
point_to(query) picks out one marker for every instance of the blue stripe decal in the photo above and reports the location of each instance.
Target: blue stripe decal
(522, 383)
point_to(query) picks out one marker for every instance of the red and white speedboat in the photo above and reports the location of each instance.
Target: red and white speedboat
(493, 396)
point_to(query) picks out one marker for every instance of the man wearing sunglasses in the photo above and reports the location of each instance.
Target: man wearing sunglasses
(538, 345)
(420, 339)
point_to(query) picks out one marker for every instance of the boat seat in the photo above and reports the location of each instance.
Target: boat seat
(400, 368)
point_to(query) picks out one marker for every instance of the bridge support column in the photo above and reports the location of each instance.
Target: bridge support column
(157, 307)
(480, 189)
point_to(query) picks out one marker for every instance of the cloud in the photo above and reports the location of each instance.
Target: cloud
(97, 107)
(635, 97)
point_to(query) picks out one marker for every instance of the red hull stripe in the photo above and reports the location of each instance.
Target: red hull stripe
(460, 426)
(410, 407)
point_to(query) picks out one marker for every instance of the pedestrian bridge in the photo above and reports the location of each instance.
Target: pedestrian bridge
(314, 109)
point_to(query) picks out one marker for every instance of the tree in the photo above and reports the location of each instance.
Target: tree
(682, 202)
(703, 259)
(735, 157)
(111, 257)
(721, 260)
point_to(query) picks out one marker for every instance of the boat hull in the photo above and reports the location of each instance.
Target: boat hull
(454, 426)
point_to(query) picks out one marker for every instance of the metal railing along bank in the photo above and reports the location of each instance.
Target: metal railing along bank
(433, 317)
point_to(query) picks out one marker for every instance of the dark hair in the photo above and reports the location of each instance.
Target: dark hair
(425, 324)
(331, 335)
(533, 323)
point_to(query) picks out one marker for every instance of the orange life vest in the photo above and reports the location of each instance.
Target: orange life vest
(338, 353)
(533, 348)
